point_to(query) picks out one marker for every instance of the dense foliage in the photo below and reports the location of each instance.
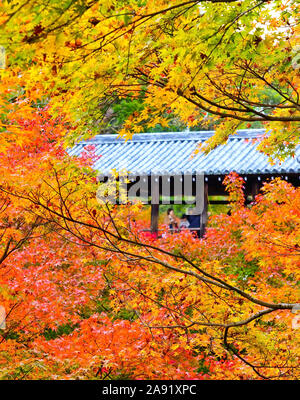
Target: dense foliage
(224, 63)
(88, 296)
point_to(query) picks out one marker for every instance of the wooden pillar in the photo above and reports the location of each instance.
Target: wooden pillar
(154, 203)
(203, 216)
(254, 189)
(154, 217)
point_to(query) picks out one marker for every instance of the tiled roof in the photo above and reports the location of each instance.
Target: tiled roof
(170, 153)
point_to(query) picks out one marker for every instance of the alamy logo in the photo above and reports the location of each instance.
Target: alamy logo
(120, 188)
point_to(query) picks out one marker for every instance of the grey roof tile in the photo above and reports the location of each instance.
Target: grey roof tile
(170, 152)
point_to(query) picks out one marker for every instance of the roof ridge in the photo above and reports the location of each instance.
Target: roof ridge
(172, 136)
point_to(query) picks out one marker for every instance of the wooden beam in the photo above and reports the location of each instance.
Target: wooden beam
(154, 203)
(203, 217)
(154, 217)
(219, 202)
(254, 189)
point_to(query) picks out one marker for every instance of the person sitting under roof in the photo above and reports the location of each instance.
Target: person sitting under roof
(184, 223)
(172, 220)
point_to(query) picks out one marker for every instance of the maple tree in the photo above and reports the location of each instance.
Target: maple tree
(221, 62)
(53, 287)
(181, 285)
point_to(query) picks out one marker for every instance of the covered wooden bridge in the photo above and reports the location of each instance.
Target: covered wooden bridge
(150, 158)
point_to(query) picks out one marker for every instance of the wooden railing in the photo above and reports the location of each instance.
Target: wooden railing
(171, 229)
